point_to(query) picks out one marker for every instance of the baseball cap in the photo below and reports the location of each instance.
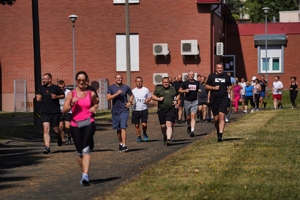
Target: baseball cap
(253, 78)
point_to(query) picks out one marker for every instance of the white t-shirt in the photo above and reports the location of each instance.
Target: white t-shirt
(243, 86)
(140, 96)
(62, 101)
(277, 85)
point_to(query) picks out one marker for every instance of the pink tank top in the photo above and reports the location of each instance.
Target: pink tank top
(81, 109)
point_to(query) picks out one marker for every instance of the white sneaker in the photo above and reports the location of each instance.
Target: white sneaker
(226, 119)
(252, 110)
(245, 111)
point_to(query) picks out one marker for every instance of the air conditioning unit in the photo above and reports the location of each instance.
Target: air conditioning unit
(185, 75)
(160, 49)
(219, 49)
(157, 78)
(189, 47)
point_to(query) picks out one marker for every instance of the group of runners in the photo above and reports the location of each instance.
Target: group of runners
(72, 112)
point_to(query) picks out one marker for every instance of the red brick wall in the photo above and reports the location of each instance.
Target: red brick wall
(240, 41)
(97, 24)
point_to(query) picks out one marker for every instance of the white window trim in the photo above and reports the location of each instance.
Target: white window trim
(272, 53)
(123, 1)
(121, 64)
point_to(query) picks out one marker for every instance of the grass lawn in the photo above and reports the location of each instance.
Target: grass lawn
(260, 159)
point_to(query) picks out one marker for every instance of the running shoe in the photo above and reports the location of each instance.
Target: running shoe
(220, 137)
(139, 139)
(169, 143)
(85, 180)
(125, 149)
(165, 141)
(47, 150)
(192, 134)
(145, 137)
(120, 148)
(59, 141)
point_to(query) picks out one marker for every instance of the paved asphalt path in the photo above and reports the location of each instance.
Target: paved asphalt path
(26, 173)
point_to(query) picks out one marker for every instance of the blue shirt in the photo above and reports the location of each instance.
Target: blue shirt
(119, 102)
(248, 91)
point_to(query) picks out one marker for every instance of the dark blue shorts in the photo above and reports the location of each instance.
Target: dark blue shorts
(262, 94)
(119, 121)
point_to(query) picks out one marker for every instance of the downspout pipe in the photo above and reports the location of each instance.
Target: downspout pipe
(212, 32)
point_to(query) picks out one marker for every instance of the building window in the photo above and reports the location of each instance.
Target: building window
(123, 1)
(121, 52)
(274, 61)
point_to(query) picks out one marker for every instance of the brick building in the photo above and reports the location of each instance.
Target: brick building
(100, 42)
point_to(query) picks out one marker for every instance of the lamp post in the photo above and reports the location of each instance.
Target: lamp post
(266, 10)
(73, 19)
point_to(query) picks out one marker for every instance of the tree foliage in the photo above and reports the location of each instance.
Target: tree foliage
(254, 8)
(7, 2)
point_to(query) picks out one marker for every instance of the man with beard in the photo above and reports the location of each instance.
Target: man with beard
(49, 95)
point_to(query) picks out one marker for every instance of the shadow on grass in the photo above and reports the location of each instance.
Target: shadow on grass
(230, 139)
(132, 150)
(179, 143)
(202, 134)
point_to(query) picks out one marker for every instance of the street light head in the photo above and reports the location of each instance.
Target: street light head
(266, 10)
(73, 18)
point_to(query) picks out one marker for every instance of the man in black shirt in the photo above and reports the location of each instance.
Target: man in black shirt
(190, 88)
(49, 95)
(220, 86)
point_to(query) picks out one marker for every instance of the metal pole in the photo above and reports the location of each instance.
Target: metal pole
(266, 48)
(74, 55)
(128, 61)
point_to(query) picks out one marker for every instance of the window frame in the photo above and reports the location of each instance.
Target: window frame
(273, 52)
(121, 52)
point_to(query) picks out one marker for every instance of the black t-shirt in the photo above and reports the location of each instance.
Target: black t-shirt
(49, 105)
(223, 81)
(262, 85)
(193, 86)
(177, 85)
(91, 88)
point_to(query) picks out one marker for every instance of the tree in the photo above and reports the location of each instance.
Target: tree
(254, 8)
(236, 7)
(7, 2)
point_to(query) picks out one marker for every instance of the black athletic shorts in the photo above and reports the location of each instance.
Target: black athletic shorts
(53, 119)
(220, 105)
(65, 117)
(169, 115)
(139, 116)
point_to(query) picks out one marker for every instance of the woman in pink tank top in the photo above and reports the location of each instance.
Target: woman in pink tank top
(84, 104)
